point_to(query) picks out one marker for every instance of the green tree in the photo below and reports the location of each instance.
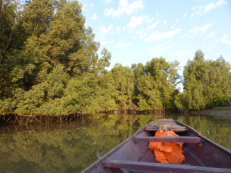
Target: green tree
(155, 84)
(206, 82)
(57, 68)
(124, 86)
(36, 16)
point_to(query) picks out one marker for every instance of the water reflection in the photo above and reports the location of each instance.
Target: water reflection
(215, 128)
(73, 146)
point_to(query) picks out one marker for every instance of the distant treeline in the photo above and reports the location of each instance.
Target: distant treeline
(49, 65)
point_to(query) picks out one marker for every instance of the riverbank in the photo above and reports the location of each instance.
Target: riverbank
(216, 112)
(46, 119)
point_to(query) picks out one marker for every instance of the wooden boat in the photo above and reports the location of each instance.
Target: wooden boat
(133, 155)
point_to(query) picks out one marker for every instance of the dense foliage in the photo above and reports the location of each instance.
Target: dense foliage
(155, 84)
(207, 83)
(49, 65)
(49, 60)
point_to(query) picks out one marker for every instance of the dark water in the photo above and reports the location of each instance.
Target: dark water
(73, 146)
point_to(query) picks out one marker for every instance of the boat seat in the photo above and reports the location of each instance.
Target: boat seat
(159, 167)
(166, 123)
(177, 130)
(184, 139)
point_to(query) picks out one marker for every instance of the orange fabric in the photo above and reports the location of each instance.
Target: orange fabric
(167, 152)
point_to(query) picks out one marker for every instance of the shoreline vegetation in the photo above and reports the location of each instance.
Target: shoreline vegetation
(50, 66)
(26, 120)
(44, 119)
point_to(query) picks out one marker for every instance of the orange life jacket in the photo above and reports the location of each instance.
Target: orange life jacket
(167, 152)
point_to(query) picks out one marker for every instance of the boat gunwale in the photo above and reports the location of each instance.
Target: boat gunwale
(94, 164)
(205, 138)
(148, 166)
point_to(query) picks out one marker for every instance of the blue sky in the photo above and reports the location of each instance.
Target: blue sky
(139, 30)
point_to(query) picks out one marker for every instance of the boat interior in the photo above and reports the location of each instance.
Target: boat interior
(134, 156)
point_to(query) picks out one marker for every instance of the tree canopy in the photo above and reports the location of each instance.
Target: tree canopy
(155, 84)
(206, 82)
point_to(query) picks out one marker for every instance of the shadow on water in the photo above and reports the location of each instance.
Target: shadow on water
(72, 146)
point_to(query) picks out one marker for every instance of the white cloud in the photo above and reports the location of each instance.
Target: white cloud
(124, 8)
(159, 48)
(159, 35)
(221, 2)
(196, 31)
(141, 33)
(204, 27)
(121, 45)
(133, 6)
(185, 14)
(165, 22)
(148, 19)
(135, 21)
(105, 30)
(94, 17)
(200, 29)
(86, 5)
(107, 42)
(211, 35)
(209, 7)
(198, 10)
(182, 52)
(138, 20)
(224, 39)
(117, 30)
(214, 5)
(152, 26)
(108, 1)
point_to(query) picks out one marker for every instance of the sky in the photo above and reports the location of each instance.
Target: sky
(135, 31)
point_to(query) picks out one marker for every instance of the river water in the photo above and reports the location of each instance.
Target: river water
(73, 146)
